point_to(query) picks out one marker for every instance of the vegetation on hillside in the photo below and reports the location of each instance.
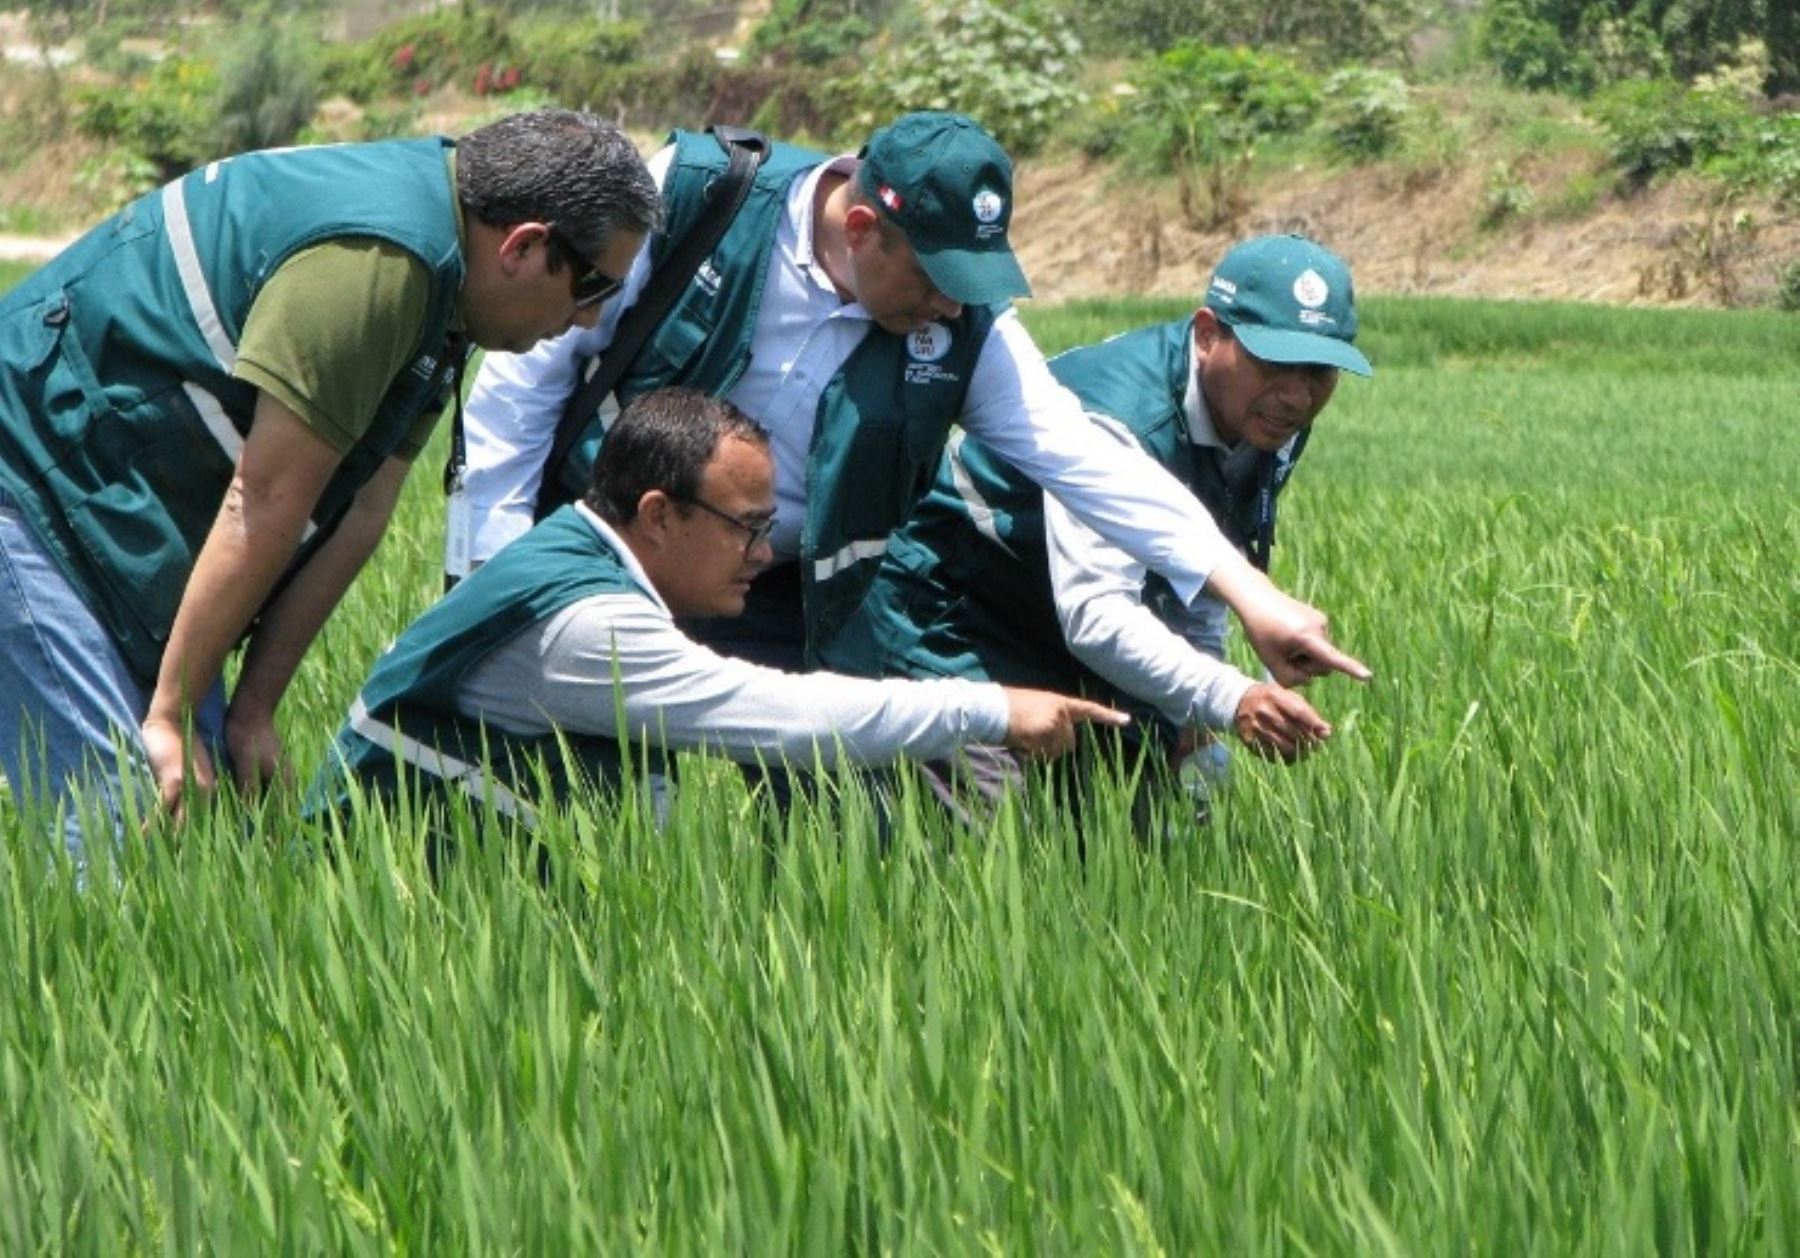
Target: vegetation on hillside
(1202, 90)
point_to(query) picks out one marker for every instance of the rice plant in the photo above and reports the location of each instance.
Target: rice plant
(1510, 966)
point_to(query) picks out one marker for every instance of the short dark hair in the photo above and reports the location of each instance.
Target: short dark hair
(663, 440)
(559, 166)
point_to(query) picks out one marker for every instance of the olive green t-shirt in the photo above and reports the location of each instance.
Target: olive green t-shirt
(332, 329)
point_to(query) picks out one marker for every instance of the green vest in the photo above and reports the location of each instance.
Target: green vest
(120, 422)
(407, 714)
(964, 590)
(882, 420)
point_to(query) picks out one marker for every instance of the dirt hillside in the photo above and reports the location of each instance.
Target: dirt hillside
(1087, 231)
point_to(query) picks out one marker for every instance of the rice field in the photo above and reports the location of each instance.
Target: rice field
(1511, 966)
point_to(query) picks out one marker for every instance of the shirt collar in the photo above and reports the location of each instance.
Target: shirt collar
(1200, 425)
(800, 213)
(632, 566)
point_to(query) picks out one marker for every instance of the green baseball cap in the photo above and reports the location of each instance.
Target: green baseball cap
(1288, 300)
(947, 185)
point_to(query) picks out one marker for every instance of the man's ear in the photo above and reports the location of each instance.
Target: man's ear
(516, 246)
(861, 225)
(656, 513)
(1207, 331)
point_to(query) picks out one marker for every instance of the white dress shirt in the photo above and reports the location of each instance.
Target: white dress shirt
(804, 333)
(1179, 667)
(622, 653)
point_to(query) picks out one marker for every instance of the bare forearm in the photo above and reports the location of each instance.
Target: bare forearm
(293, 620)
(243, 555)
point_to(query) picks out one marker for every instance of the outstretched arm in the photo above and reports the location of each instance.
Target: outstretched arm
(1018, 409)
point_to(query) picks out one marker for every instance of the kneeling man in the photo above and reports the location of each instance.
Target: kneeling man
(992, 579)
(563, 650)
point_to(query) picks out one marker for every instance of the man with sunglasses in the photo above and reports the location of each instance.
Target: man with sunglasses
(857, 307)
(540, 665)
(208, 405)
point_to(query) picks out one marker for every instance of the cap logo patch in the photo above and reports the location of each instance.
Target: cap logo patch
(1310, 289)
(928, 343)
(889, 198)
(988, 205)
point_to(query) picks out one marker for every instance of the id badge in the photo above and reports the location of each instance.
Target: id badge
(459, 536)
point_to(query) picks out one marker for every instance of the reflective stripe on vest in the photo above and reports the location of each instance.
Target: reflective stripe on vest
(448, 769)
(848, 557)
(206, 317)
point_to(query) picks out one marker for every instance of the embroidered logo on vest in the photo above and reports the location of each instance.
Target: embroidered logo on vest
(926, 346)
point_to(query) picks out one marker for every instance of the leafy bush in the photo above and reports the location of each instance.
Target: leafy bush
(1580, 45)
(1505, 196)
(1533, 53)
(164, 117)
(1012, 70)
(267, 90)
(811, 33)
(1201, 111)
(1659, 126)
(422, 53)
(1364, 110)
(1768, 158)
(1787, 294)
(576, 62)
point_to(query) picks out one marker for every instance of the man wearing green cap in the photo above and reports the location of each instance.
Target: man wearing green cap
(858, 307)
(993, 579)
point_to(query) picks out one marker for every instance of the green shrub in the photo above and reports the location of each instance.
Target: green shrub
(1767, 158)
(1659, 126)
(1363, 110)
(1532, 53)
(463, 45)
(1012, 70)
(810, 33)
(164, 117)
(1201, 111)
(1787, 294)
(576, 62)
(267, 90)
(1506, 196)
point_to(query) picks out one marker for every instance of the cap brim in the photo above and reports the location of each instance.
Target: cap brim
(1280, 345)
(975, 277)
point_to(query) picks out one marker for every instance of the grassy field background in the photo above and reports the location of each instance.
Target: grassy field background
(1512, 965)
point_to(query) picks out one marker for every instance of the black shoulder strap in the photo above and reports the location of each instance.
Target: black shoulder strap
(746, 149)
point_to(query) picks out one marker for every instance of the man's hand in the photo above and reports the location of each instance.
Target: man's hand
(168, 755)
(1289, 636)
(1278, 724)
(1040, 723)
(257, 756)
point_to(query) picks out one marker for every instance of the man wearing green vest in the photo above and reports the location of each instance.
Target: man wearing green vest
(857, 307)
(209, 402)
(525, 671)
(994, 580)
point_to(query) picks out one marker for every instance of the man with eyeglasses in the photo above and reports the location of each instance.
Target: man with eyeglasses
(546, 663)
(857, 307)
(208, 405)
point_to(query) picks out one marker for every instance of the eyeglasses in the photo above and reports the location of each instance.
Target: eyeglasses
(758, 529)
(591, 285)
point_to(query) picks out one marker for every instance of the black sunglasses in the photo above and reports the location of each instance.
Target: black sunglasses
(591, 285)
(758, 530)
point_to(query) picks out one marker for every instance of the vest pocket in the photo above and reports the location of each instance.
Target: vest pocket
(60, 392)
(142, 526)
(677, 340)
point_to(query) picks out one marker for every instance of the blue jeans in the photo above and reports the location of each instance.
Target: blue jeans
(70, 710)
